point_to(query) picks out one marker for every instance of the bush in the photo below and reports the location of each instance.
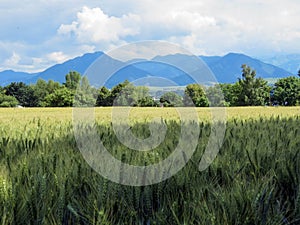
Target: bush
(8, 101)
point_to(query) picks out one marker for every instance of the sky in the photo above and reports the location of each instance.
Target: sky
(35, 34)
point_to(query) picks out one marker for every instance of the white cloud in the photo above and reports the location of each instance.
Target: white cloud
(13, 60)
(17, 63)
(87, 48)
(93, 25)
(37, 34)
(190, 20)
(57, 57)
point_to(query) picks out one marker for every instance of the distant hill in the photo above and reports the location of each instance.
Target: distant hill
(226, 70)
(58, 71)
(8, 76)
(210, 59)
(289, 62)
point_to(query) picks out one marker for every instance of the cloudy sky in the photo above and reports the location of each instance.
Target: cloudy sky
(35, 34)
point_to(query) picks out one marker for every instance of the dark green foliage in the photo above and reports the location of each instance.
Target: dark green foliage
(125, 94)
(231, 93)
(72, 80)
(41, 91)
(194, 95)
(287, 91)
(60, 98)
(171, 99)
(23, 93)
(8, 101)
(255, 178)
(247, 91)
(146, 102)
(121, 94)
(254, 91)
(104, 97)
(43, 88)
(215, 96)
(85, 95)
(52, 86)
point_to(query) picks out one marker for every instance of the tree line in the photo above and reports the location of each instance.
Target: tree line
(76, 90)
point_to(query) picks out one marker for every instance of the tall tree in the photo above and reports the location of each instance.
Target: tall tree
(254, 91)
(84, 94)
(194, 95)
(287, 91)
(72, 80)
(85, 84)
(52, 86)
(41, 91)
(104, 97)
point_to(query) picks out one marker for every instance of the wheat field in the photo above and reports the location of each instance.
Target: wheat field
(255, 178)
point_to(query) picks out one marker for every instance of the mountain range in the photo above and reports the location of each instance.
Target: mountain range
(290, 62)
(227, 69)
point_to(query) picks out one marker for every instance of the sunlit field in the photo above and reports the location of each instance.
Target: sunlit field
(255, 178)
(22, 115)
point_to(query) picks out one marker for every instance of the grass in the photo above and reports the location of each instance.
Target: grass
(24, 115)
(255, 178)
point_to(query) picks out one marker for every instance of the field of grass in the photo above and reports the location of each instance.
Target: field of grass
(23, 115)
(255, 178)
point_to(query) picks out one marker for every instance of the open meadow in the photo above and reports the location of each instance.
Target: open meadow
(23, 115)
(255, 178)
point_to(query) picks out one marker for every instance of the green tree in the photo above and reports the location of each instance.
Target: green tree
(84, 96)
(125, 94)
(215, 96)
(141, 97)
(122, 94)
(286, 91)
(85, 84)
(194, 95)
(72, 80)
(140, 92)
(171, 99)
(60, 97)
(41, 91)
(254, 91)
(8, 101)
(231, 93)
(23, 93)
(104, 97)
(52, 86)
(146, 101)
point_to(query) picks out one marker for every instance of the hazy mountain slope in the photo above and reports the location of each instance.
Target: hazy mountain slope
(289, 62)
(8, 76)
(226, 70)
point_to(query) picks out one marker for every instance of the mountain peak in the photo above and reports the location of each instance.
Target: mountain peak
(226, 69)
(234, 54)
